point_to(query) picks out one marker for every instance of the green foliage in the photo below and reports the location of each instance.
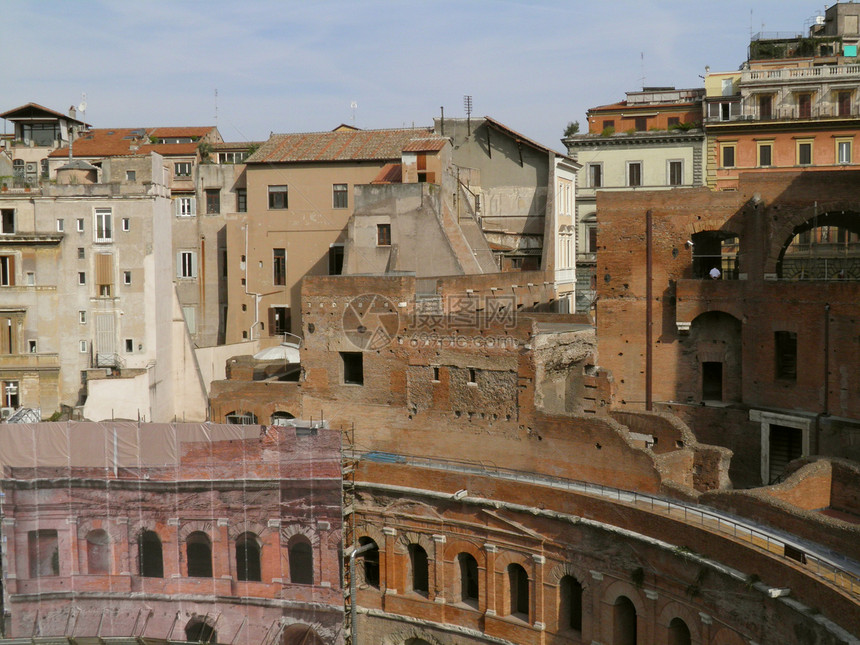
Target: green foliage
(205, 149)
(253, 148)
(56, 416)
(608, 131)
(571, 129)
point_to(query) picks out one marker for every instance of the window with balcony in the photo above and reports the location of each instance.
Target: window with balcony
(804, 106)
(103, 225)
(765, 106)
(843, 103)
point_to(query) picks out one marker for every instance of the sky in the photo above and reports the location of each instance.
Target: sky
(284, 66)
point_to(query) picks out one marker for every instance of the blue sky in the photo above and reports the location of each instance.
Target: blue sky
(293, 67)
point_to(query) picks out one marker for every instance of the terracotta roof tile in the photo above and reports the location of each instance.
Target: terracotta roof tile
(391, 173)
(349, 145)
(425, 145)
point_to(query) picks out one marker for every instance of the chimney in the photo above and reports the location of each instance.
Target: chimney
(72, 112)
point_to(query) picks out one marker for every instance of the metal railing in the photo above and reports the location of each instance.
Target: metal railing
(816, 564)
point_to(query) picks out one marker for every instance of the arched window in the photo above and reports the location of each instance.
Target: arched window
(419, 569)
(519, 590)
(198, 631)
(623, 622)
(468, 578)
(198, 549)
(248, 558)
(301, 561)
(241, 418)
(679, 633)
(570, 604)
(98, 552)
(370, 561)
(149, 555)
(281, 418)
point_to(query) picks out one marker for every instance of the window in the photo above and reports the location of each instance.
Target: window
(82, 317)
(765, 154)
(609, 124)
(44, 166)
(126, 277)
(82, 254)
(473, 376)
(570, 591)
(624, 620)
(301, 561)
(641, 123)
(231, 157)
(130, 175)
(241, 200)
(804, 106)
(634, 173)
(129, 345)
(44, 551)
(98, 552)
(103, 225)
(182, 169)
(248, 558)
(419, 569)
(339, 196)
(843, 151)
(18, 168)
(185, 206)
(278, 198)
(591, 236)
(468, 577)
(10, 393)
(186, 264)
(843, 100)
(353, 368)
(279, 321)
(198, 550)
(279, 266)
(673, 122)
(126, 224)
(61, 225)
(32, 347)
(31, 278)
(335, 259)
(7, 221)
(595, 175)
(7, 270)
(82, 347)
(712, 381)
(104, 274)
(728, 153)
(786, 354)
(679, 633)
(82, 277)
(804, 153)
(213, 201)
(370, 562)
(676, 173)
(149, 555)
(518, 586)
(79, 225)
(765, 106)
(383, 234)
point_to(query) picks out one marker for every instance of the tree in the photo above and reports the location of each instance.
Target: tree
(571, 129)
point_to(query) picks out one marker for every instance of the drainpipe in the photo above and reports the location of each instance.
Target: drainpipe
(353, 628)
(648, 306)
(827, 358)
(257, 296)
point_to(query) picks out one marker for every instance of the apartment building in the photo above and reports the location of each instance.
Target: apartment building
(650, 140)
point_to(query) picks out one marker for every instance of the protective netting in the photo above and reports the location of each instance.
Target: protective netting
(200, 532)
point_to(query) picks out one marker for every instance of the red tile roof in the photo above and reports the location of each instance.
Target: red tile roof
(31, 110)
(344, 145)
(391, 173)
(425, 145)
(116, 142)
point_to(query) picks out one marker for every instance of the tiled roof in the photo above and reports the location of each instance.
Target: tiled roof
(349, 145)
(116, 142)
(391, 173)
(193, 131)
(31, 110)
(236, 145)
(425, 145)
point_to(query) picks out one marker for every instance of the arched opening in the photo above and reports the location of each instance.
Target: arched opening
(98, 552)
(416, 641)
(149, 555)
(301, 561)
(419, 569)
(826, 247)
(248, 558)
(624, 622)
(469, 587)
(198, 550)
(518, 582)
(300, 634)
(198, 631)
(679, 633)
(369, 562)
(715, 255)
(281, 418)
(570, 604)
(241, 418)
(713, 356)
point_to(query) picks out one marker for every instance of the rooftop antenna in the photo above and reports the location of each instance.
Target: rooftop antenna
(216, 107)
(353, 106)
(642, 65)
(82, 108)
(467, 103)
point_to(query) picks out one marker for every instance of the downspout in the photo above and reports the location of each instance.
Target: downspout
(257, 296)
(648, 306)
(353, 627)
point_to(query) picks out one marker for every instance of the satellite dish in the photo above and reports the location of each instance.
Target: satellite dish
(82, 107)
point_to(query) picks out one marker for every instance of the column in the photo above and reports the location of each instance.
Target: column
(651, 596)
(707, 621)
(221, 549)
(390, 577)
(438, 586)
(491, 550)
(595, 624)
(539, 619)
(170, 549)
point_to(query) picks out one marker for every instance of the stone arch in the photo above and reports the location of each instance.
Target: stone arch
(456, 547)
(366, 529)
(413, 636)
(289, 532)
(301, 634)
(563, 569)
(235, 529)
(87, 525)
(504, 558)
(200, 630)
(421, 539)
(622, 588)
(711, 365)
(195, 526)
(817, 259)
(674, 610)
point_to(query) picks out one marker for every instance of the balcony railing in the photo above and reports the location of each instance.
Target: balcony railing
(786, 74)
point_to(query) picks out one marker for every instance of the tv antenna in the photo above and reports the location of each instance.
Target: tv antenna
(216, 107)
(353, 106)
(82, 106)
(467, 104)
